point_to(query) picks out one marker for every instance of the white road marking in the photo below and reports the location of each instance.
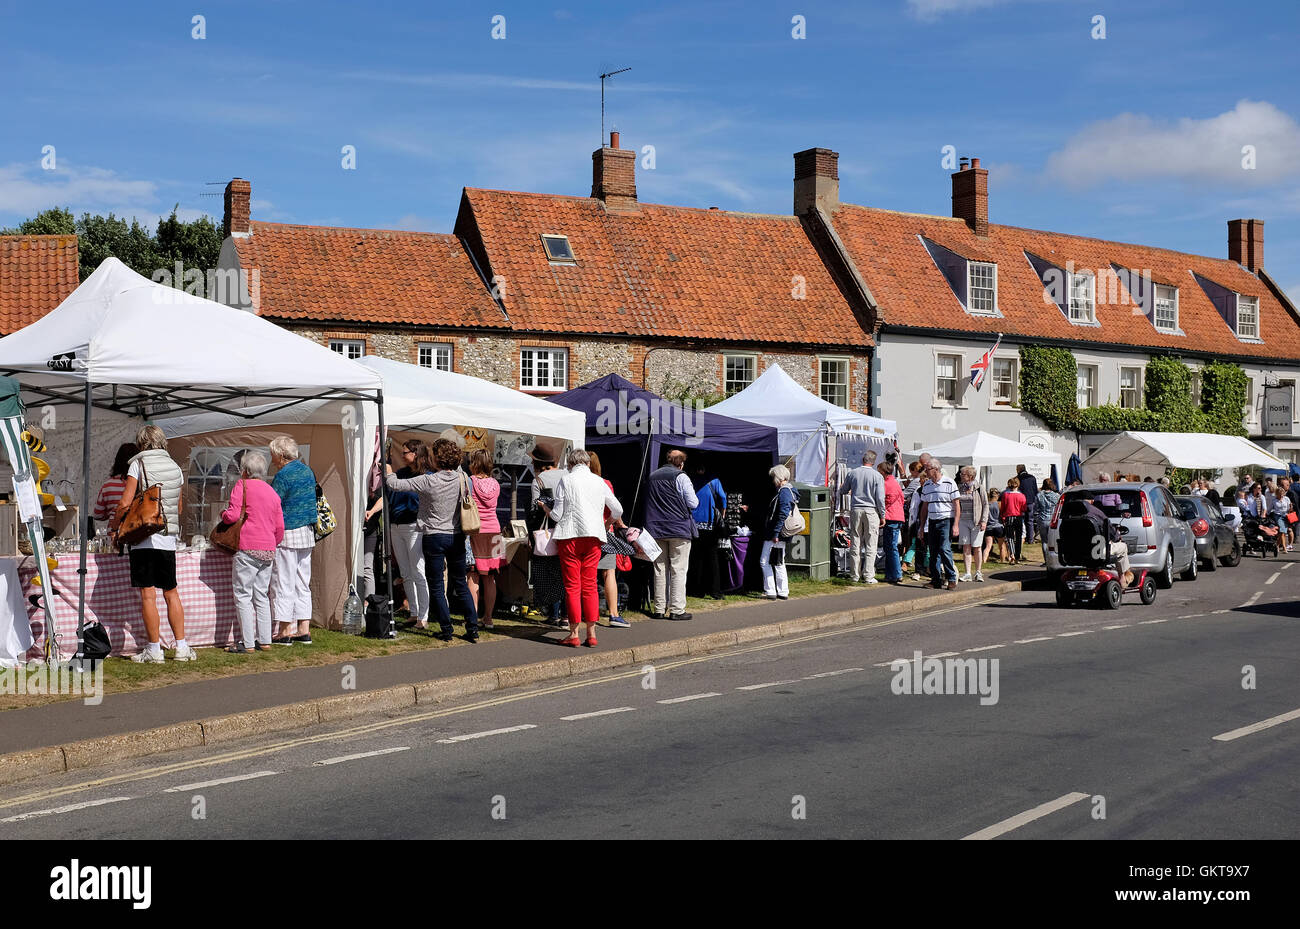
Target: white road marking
(1152, 622)
(1041, 638)
(1191, 616)
(1216, 612)
(219, 781)
(987, 648)
(63, 809)
(890, 664)
(690, 697)
(484, 735)
(1257, 727)
(617, 709)
(1066, 635)
(1276, 575)
(1287, 565)
(343, 758)
(813, 677)
(1020, 819)
(942, 655)
(777, 683)
(1118, 626)
(1251, 602)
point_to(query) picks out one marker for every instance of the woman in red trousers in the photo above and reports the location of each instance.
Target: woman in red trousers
(581, 499)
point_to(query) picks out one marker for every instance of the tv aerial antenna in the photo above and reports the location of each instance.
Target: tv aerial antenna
(607, 74)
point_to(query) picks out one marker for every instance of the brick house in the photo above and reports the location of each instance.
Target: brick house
(37, 272)
(942, 288)
(543, 292)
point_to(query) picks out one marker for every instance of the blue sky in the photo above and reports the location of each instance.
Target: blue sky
(1135, 137)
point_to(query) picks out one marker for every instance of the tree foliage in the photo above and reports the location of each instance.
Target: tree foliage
(195, 244)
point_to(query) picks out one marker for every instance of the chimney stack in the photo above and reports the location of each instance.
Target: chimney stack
(970, 196)
(816, 180)
(1246, 243)
(613, 176)
(237, 218)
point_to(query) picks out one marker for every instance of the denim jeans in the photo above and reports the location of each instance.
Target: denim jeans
(893, 567)
(939, 539)
(446, 550)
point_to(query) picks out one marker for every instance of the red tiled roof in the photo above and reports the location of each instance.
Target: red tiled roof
(911, 291)
(659, 271)
(36, 273)
(366, 276)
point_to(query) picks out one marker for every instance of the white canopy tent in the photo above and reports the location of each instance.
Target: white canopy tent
(1147, 452)
(805, 423)
(985, 450)
(126, 349)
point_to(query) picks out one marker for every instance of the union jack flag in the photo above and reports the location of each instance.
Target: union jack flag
(980, 368)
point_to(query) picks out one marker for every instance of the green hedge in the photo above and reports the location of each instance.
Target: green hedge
(1047, 390)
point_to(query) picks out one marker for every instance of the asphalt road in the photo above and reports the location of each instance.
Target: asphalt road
(1104, 727)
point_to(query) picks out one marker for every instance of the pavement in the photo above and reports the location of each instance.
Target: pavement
(1132, 723)
(70, 734)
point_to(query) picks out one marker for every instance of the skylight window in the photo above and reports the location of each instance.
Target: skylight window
(558, 248)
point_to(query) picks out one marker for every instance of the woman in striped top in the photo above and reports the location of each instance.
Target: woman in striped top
(110, 493)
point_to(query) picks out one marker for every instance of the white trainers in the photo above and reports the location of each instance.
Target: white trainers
(148, 656)
(185, 654)
(979, 577)
(872, 580)
(917, 577)
(965, 577)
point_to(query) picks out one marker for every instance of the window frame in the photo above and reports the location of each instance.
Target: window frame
(958, 393)
(1137, 388)
(1096, 373)
(1091, 278)
(970, 288)
(436, 348)
(750, 358)
(550, 387)
(571, 259)
(1249, 301)
(846, 366)
(1155, 312)
(1248, 411)
(345, 345)
(1014, 403)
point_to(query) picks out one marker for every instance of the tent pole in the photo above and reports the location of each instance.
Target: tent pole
(81, 523)
(383, 494)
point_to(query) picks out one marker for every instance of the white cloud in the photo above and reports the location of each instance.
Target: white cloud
(414, 223)
(26, 190)
(933, 9)
(1134, 146)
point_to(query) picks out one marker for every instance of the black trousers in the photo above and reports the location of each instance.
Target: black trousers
(704, 570)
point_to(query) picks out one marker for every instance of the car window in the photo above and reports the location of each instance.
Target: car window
(1187, 507)
(1117, 504)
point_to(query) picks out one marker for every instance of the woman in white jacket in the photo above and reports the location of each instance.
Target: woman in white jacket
(579, 512)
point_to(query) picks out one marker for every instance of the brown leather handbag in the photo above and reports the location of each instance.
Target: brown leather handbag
(226, 535)
(144, 516)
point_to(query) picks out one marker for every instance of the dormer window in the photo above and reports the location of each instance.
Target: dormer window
(1083, 298)
(982, 288)
(558, 248)
(1166, 308)
(1247, 317)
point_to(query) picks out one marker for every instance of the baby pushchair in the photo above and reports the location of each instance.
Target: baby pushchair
(1260, 536)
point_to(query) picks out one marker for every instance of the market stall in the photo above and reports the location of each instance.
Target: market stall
(816, 434)
(1152, 453)
(122, 350)
(986, 451)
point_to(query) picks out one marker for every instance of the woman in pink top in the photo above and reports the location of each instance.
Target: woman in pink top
(892, 525)
(1013, 512)
(486, 544)
(262, 532)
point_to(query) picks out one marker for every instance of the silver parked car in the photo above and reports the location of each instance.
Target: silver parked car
(1150, 522)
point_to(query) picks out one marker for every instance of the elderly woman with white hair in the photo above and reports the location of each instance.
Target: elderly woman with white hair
(253, 500)
(581, 499)
(295, 484)
(776, 583)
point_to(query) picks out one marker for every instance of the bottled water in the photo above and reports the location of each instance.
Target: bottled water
(354, 614)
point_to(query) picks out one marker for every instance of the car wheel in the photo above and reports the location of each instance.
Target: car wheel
(1209, 564)
(1147, 592)
(1190, 573)
(1165, 579)
(1109, 596)
(1234, 559)
(1064, 598)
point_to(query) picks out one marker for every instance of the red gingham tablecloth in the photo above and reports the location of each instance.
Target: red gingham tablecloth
(203, 578)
